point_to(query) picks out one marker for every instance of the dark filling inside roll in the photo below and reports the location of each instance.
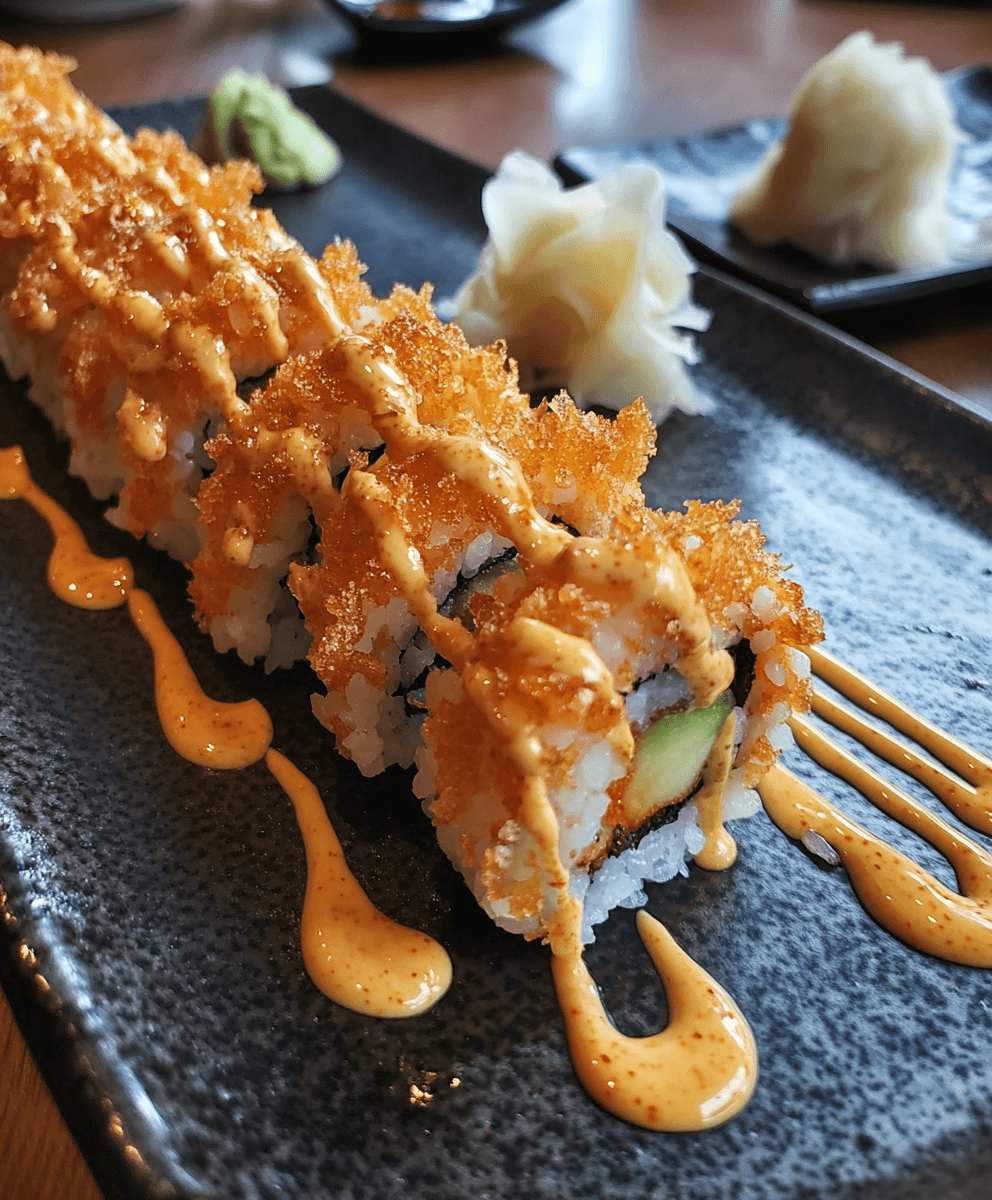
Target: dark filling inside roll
(419, 657)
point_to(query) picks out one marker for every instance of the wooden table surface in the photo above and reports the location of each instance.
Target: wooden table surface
(607, 70)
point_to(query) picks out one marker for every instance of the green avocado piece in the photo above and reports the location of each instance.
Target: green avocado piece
(291, 151)
(670, 757)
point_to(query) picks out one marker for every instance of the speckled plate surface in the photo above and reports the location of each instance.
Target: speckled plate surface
(159, 902)
(702, 172)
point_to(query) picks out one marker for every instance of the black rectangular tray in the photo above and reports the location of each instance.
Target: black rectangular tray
(148, 929)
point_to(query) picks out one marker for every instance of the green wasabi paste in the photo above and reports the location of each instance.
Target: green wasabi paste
(248, 117)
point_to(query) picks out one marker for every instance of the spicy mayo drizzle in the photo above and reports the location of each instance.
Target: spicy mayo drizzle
(207, 732)
(698, 1072)
(355, 954)
(75, 574)
(720, 849)
(904, 898)
(972, 804)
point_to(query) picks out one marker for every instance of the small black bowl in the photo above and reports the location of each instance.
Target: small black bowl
(409, 30)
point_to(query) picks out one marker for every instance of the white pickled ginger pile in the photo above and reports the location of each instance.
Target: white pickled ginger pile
(862, 174)
(586, 286)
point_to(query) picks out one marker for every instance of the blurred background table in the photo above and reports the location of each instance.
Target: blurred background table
(592, 70)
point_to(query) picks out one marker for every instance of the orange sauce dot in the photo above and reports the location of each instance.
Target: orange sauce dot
(204, 731)
(75, 574)
(348, 944)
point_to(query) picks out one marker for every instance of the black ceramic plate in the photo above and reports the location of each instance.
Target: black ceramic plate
(148, 940)
(703, 171)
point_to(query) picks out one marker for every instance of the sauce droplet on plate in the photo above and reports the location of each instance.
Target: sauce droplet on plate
(353, 952)
(697, 1073)
(75, 574)
(204, 731)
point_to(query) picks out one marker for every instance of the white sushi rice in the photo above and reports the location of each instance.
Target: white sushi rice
(258, 613)
(38, 361)
(381, 731)
(659, 857)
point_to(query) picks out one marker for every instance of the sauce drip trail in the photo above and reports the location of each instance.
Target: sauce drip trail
(720, 850)
(75, 574)
(904, 898)
(972, 804)
(204, 731)
(355, 954)
(695, 1074)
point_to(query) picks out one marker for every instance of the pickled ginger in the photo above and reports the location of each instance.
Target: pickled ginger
(587, 286)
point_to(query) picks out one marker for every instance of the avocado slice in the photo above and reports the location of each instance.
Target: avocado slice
(670, 757)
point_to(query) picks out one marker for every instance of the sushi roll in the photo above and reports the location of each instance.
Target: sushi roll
(587, 687)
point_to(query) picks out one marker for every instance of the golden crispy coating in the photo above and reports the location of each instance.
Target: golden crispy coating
(208, 365)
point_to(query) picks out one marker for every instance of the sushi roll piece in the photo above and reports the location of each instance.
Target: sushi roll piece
(652, 714)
